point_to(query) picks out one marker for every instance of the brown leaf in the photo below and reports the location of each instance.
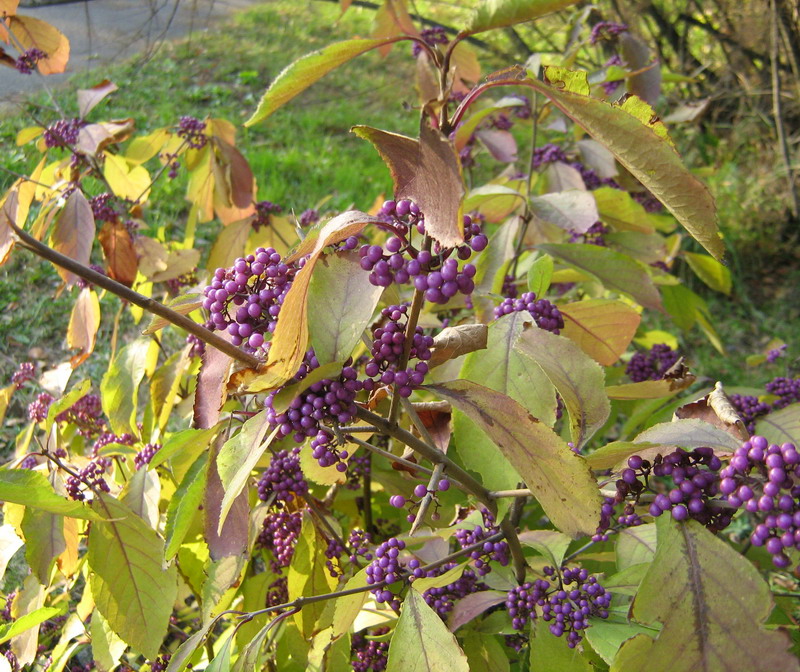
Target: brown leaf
(211, 388)
(716, 409)
(8, 212)
(437, 422)
(31, 32)
(83, 325)
(453, 342)
(437, 187)
(89, 98)
(94, 138)
(179, 262)
(73, 233)
(119, 251)
(399, 152)
(239, 183)
(152, 255)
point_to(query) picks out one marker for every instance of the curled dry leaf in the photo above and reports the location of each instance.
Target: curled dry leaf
(453, 342)
(436, 419)
(89, 98)
(716, 409)
(83, 325)
(119, 251)
(7, 213)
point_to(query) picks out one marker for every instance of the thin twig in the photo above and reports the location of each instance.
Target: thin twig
(148, 304)
(389, 456)
(510, 532)
(500, 494)
(427, 500)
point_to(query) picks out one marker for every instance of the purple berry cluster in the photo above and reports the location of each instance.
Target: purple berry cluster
(386, 567)
(435, 273)
(278, 536)
(442, 600)
(27, 60)
(548, 153)
(246, 299)
(330, 400)
(594, 235)
(192, 130)
(86, 414)
(606, 30)
(628, 518)
(568, 607)
(358, 467)
(24, 374)
(764, 479)
(102, 209)
(277, 592)
(308, 217)
(497, 550)
(389, 341)
(776, 353)
(90, 477)
(160, 663)
(63, 133)
(283, 479)
(37, 409)
(333, 552)
(684, 483)
(652, 365)
(431, 37)
(545, 314)
(749, 409)
(109, 437)
(359, 542)
(786, 389)
(143, 457)
(369, 655)
(264, 212)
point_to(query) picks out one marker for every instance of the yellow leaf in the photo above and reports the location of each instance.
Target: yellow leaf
(132, 184)
(28, 134)
(83, 325)
(602, 328)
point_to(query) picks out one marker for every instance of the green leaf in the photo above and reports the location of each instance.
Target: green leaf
(141, 495)
(499, 13)
(640, 144)
(222, 660)
(184, 504)
(539, 275)
(130, 586)
(180, 659)
(347, 607)
(606, 637)
(710, 271)
(422, 643)
(577, 378)
(341, 301)
(615, 270)
(505, 369)
(107, 648)
(702, 591)
(551, 544)
(32, 489)
(250, 654)
(450, 576)
(485, 653)
(165, 384)
(545, 462)
(551, 654)
(184, 447)
(120, 385)
(308, 576)
(636, 545)
(44, 541)
(779, 427)
(309, 69)
(77, 392)
(28, 621)
(238, 457)
(627, 581)
(222, 578)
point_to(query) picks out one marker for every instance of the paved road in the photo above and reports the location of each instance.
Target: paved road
(101, 31)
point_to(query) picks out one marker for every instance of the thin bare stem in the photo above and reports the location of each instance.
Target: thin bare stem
(431, 454)
(500, 494)
(148, 304)
(390, 456)
(510, 533)
(427, 500)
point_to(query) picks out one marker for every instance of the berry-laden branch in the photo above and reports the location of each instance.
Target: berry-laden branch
(120, 290)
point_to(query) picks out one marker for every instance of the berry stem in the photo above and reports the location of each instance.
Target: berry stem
(389, 456)
(510, 533)
(430, 453)
(426, 501)
(148, 304)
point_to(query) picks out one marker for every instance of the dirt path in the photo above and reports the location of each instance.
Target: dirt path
(101, 31)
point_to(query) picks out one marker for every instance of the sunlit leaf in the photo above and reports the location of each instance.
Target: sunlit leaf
(602, 328)
(131, 183)
(422, 643)
(84, 321)
(781, 426)
(107, 648)
(120, 384)
(309, 69)
(572, 210)
(545, 462)
(119, 252)
(710, 271)
(184, 505)
(32, 489)
(551, 654)
(539, 276)
(500, 13)
(688, 590)
(130, 585)
(44, 541)
(31, 33)
(73, 233)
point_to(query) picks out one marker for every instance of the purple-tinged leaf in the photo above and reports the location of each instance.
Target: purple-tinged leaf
(472, 606)
(230, 538)
(545, 462)
(210, 394)
(89, 98)
(712, 604)
(572, 210)
(73, 233)
(501, 144)
(646, 83)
